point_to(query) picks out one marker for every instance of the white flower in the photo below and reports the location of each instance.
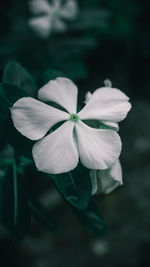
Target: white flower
(111, 124)
(49, 15)
(105, 181)
(59, 151)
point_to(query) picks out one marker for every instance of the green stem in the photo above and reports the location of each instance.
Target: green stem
(15, 191)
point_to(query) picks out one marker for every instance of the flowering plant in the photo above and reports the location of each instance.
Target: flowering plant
(60, 150)
(50, 16)
(65, 143)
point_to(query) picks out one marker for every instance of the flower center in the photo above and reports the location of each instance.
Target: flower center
(74, 117)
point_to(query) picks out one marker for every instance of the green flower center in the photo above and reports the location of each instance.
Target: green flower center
(74, 117)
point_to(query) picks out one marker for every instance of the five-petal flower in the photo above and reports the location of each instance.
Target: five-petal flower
(59, 151)
(49, 16)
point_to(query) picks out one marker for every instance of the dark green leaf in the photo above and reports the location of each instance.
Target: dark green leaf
(20, 143)
(12, 93)
(14, 211)
(104, 126)
(40, 213)
(15, 74)
(75, 186)
(91, 219)
(9, 94)
(4, 112)
(51, 75)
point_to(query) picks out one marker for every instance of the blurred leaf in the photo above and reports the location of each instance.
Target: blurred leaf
(14, 211)
(41, 215)
(52, 74)
(3, 101)
(14, 73)
(12, 93)
(93, 18)
(20, 143)
(76, 69)
(75, 186)
(71, 62)
(4, 112)
(91, 219)
(9, 94)
(122, 27)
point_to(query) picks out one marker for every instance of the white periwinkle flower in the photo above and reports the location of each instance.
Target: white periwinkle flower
(105, 181)
(60, 150)
(50, 16)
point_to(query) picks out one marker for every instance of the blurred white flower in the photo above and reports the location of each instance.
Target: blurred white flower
(100, 247)
(105, 181)
(51, 16)
(59, 151)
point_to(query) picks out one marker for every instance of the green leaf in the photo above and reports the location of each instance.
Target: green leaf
(15, 74)
(91, 219)
(11, 93)
(52, 75)
(75, 186)
(14, 211)
(41, 215)
(20, 143)
(103, 126)
(4, 112)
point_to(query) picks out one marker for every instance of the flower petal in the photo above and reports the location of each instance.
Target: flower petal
(69, 10)
(106, 104)
(39, 6)
(59, 25)
(33, 118)
(57, 152)
(41, 25)
(87, 97)
(62, 91)
(105, 181)
(98, 149)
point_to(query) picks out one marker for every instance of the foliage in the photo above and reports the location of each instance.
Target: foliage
(108, 39)
(17, 203)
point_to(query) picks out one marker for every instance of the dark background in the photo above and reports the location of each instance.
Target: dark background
(108, 39)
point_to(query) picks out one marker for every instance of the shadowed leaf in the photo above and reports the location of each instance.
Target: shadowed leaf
(14, 211)
(15, 74)
(41, 215)
(91, 219)
(75, 186)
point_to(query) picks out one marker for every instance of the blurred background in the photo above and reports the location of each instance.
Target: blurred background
(103, 39)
